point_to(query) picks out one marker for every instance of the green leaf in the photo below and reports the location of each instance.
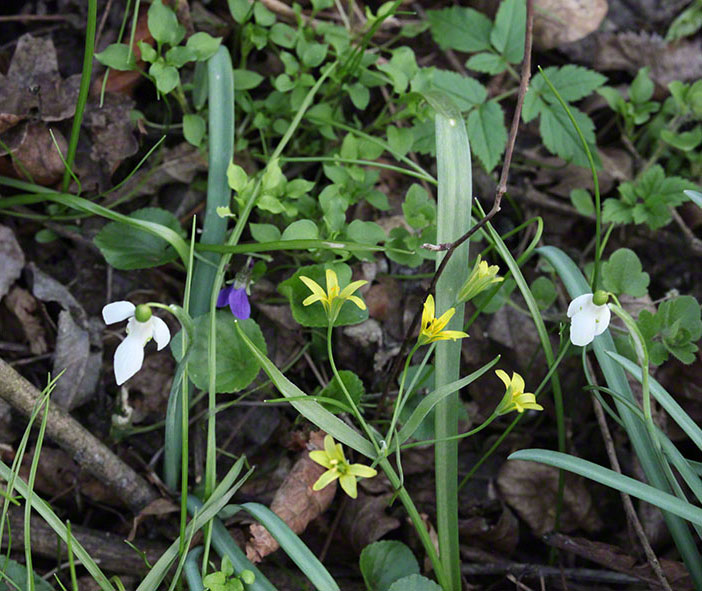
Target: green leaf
(401, 68)
(236, 367)
(544, 292)
(359, 95)
(125, 247)
(313, 315)
(194, 128)
(462, 29)
(163, 24)
(283, 35)
(418, 207)
(572, 82)
(623, 273)
(641, 89)
(488, 134)
(465, 92)
(118, 57)
(246, 79)
(685, 141)
(560, 137)
(365, 232)
(17, 573)
(264, 232)
(507, 35)
(490, 63)
(354, 386)
(179, 56)
(687, 23)
(679, 325)
(240, 10)
(301, 230)
(400, 140)
(582, 201)
(617, 212)
(382, 563)
(236, 177)
(166, 77)
(414, 583)
(311, 54)
(148, 53)
(204, 46)
(262, 15)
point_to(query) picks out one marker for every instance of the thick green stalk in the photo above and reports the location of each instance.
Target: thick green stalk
(453, 220)
(82, 92)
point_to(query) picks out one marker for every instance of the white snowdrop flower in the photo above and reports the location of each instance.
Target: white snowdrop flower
(587, 318)
(142, 326)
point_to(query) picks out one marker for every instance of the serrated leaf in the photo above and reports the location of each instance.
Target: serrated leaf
(459, 28)
(572, 82)
(125, 247)
(560, 137)
(490, 63)
(507, 34)
(488, 134)
(382, 563)
(236, 367)
(313, 315)
(352, 383)
(623, 273)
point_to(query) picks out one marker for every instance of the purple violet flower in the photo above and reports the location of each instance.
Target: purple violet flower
(237, 299)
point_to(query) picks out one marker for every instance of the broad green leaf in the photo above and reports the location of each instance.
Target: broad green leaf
(642, 87)
(488, 134)
(117, 56)
(125, 247)
(352, 383)
(236, 177)
(463, 91)
(400, 140)
(560, 137)
(301, 230)
(148, 53)
(283, 35)
(359, 95)
(194, 128)
(165, 76)
(687, 23)
(677, 322)
(204, 46)
(544, 292)
(240, 10)
(582, 201)
(382, 563)
(313, 315)
(164, 25)
(246, 79)
(459, 28)
(418, 207)
(507, 35)
(490, 63)
(179, 56)
(365, 232)
(414, 583)
(572, 82)
(264, 232)
(401, 68)
(623, 273)
(236, 367)
(685, 140)
(17, 573)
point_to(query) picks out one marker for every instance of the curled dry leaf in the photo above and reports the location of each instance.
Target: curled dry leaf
(23, 305)
(531, 489)
(156, 508)
(294, 502)
(491, 526)
(366, 521)
(564, 21)
(11, 259)
(36, 157)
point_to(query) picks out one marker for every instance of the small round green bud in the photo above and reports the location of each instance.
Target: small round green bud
(142, 313)
(600, 298)
(247, 576)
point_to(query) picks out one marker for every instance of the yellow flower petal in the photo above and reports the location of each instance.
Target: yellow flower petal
(321, 458)
(440, 323)
(350, 288)
(332, 282)
(329, 446)
(517, 383)
(348, 483)
(504, 377)
(362, 471)
(358, 301)
(325, 479)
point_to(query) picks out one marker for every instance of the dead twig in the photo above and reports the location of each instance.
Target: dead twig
(88, 451)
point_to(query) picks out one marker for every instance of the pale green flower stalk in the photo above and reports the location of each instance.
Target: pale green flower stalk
(481, 277)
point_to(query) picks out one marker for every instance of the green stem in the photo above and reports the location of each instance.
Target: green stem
(399, 402)
(82, 92)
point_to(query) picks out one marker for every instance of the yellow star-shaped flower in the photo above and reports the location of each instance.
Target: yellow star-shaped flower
(433, 328)
(515, 398)
(334, 297)
(333, 459)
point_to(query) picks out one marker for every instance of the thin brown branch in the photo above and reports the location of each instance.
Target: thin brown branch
(91, 453)
(501, 190)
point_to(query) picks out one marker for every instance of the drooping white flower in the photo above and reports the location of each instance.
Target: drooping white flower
(142, 326)
(587, 319)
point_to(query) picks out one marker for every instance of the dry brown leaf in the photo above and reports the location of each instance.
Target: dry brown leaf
(365, 520)
(491, 526)
(531, 489)
(11, 259)
(36, 157)
(564, 21)
(294, 502)
(23, 305)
